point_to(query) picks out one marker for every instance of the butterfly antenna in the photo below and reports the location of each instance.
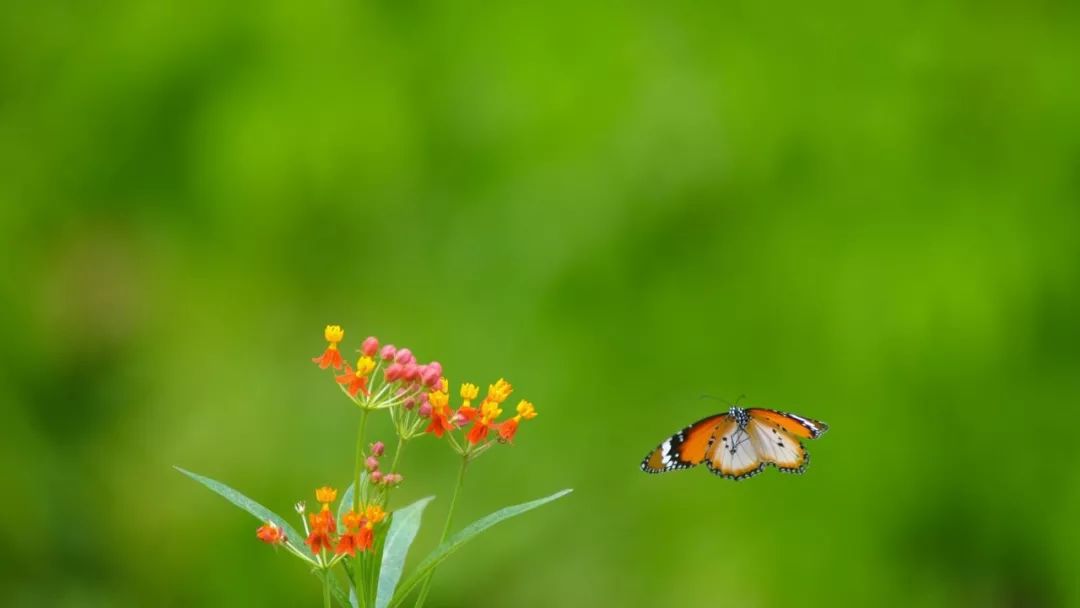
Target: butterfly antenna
(720, 399)
(741, 397)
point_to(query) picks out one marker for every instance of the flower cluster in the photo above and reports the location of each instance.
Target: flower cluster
(322, 529)
(402, 380)
(481, 419)
(417, 398)
(359, 530)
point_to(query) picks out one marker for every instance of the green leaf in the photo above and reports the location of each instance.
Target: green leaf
(455, 542)
(347, 498)
(260, 512)
(345, 505)
(404, 524)
(339, 594)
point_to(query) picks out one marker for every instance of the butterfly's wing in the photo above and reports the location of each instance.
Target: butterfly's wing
(733, 454)
(774, 445)
(803, 428)
(684, 449)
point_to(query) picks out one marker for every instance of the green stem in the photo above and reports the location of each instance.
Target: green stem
(358, 574)
(326, 589)
(359, 459)
(393, 467)
(422, 596)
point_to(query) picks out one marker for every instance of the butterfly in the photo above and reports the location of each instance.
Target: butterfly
(738, 444)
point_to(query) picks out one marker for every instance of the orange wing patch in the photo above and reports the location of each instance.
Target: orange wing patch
(684, 449)
(805, 428)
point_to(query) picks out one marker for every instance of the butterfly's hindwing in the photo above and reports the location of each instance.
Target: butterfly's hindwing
(733, 454)
(775, 446)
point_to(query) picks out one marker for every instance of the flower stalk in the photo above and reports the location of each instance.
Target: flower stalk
(426, 587)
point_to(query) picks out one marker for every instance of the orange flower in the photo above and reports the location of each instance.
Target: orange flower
(365, 537)
(322, 526)
(508, 429)
(270, 534)
(351, 541)
(440, 412)
(489, 411)
(347, 544)
(359, 534)
(331, 357)
(356, 382)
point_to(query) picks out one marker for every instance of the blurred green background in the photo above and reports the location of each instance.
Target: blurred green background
(866, 214)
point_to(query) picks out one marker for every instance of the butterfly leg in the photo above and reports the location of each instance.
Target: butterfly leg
(738, 438)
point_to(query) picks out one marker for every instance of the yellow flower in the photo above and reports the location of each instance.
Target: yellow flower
(334, 334)
(526, 410)
(489, 410)
(331, 357)
(440, 402)
(469, 391)
(374, 514)
(364, 366)
(326, 495)
(499, 391)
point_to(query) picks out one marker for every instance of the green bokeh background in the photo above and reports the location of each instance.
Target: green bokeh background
(867, 214)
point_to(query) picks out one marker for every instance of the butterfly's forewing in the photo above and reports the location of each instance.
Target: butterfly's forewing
(804, 428)
(684, 449)
(733, 454)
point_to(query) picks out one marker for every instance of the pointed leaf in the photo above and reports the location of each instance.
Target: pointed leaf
(404, 524)
(260, 512)
(345, 504)
(470, 532)
(347, 497)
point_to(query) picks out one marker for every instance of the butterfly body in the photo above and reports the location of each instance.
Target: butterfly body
(738, 444)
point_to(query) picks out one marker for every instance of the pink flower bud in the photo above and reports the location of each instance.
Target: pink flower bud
(378, 448)
(405, 356)
(376, 477)
(410, 372)
(435, 365)
(431, 377)
(371, 463)
(370, 346)
(424, 410)
(388, 352)
(393, 372)
(409, 403)
(392, 479)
